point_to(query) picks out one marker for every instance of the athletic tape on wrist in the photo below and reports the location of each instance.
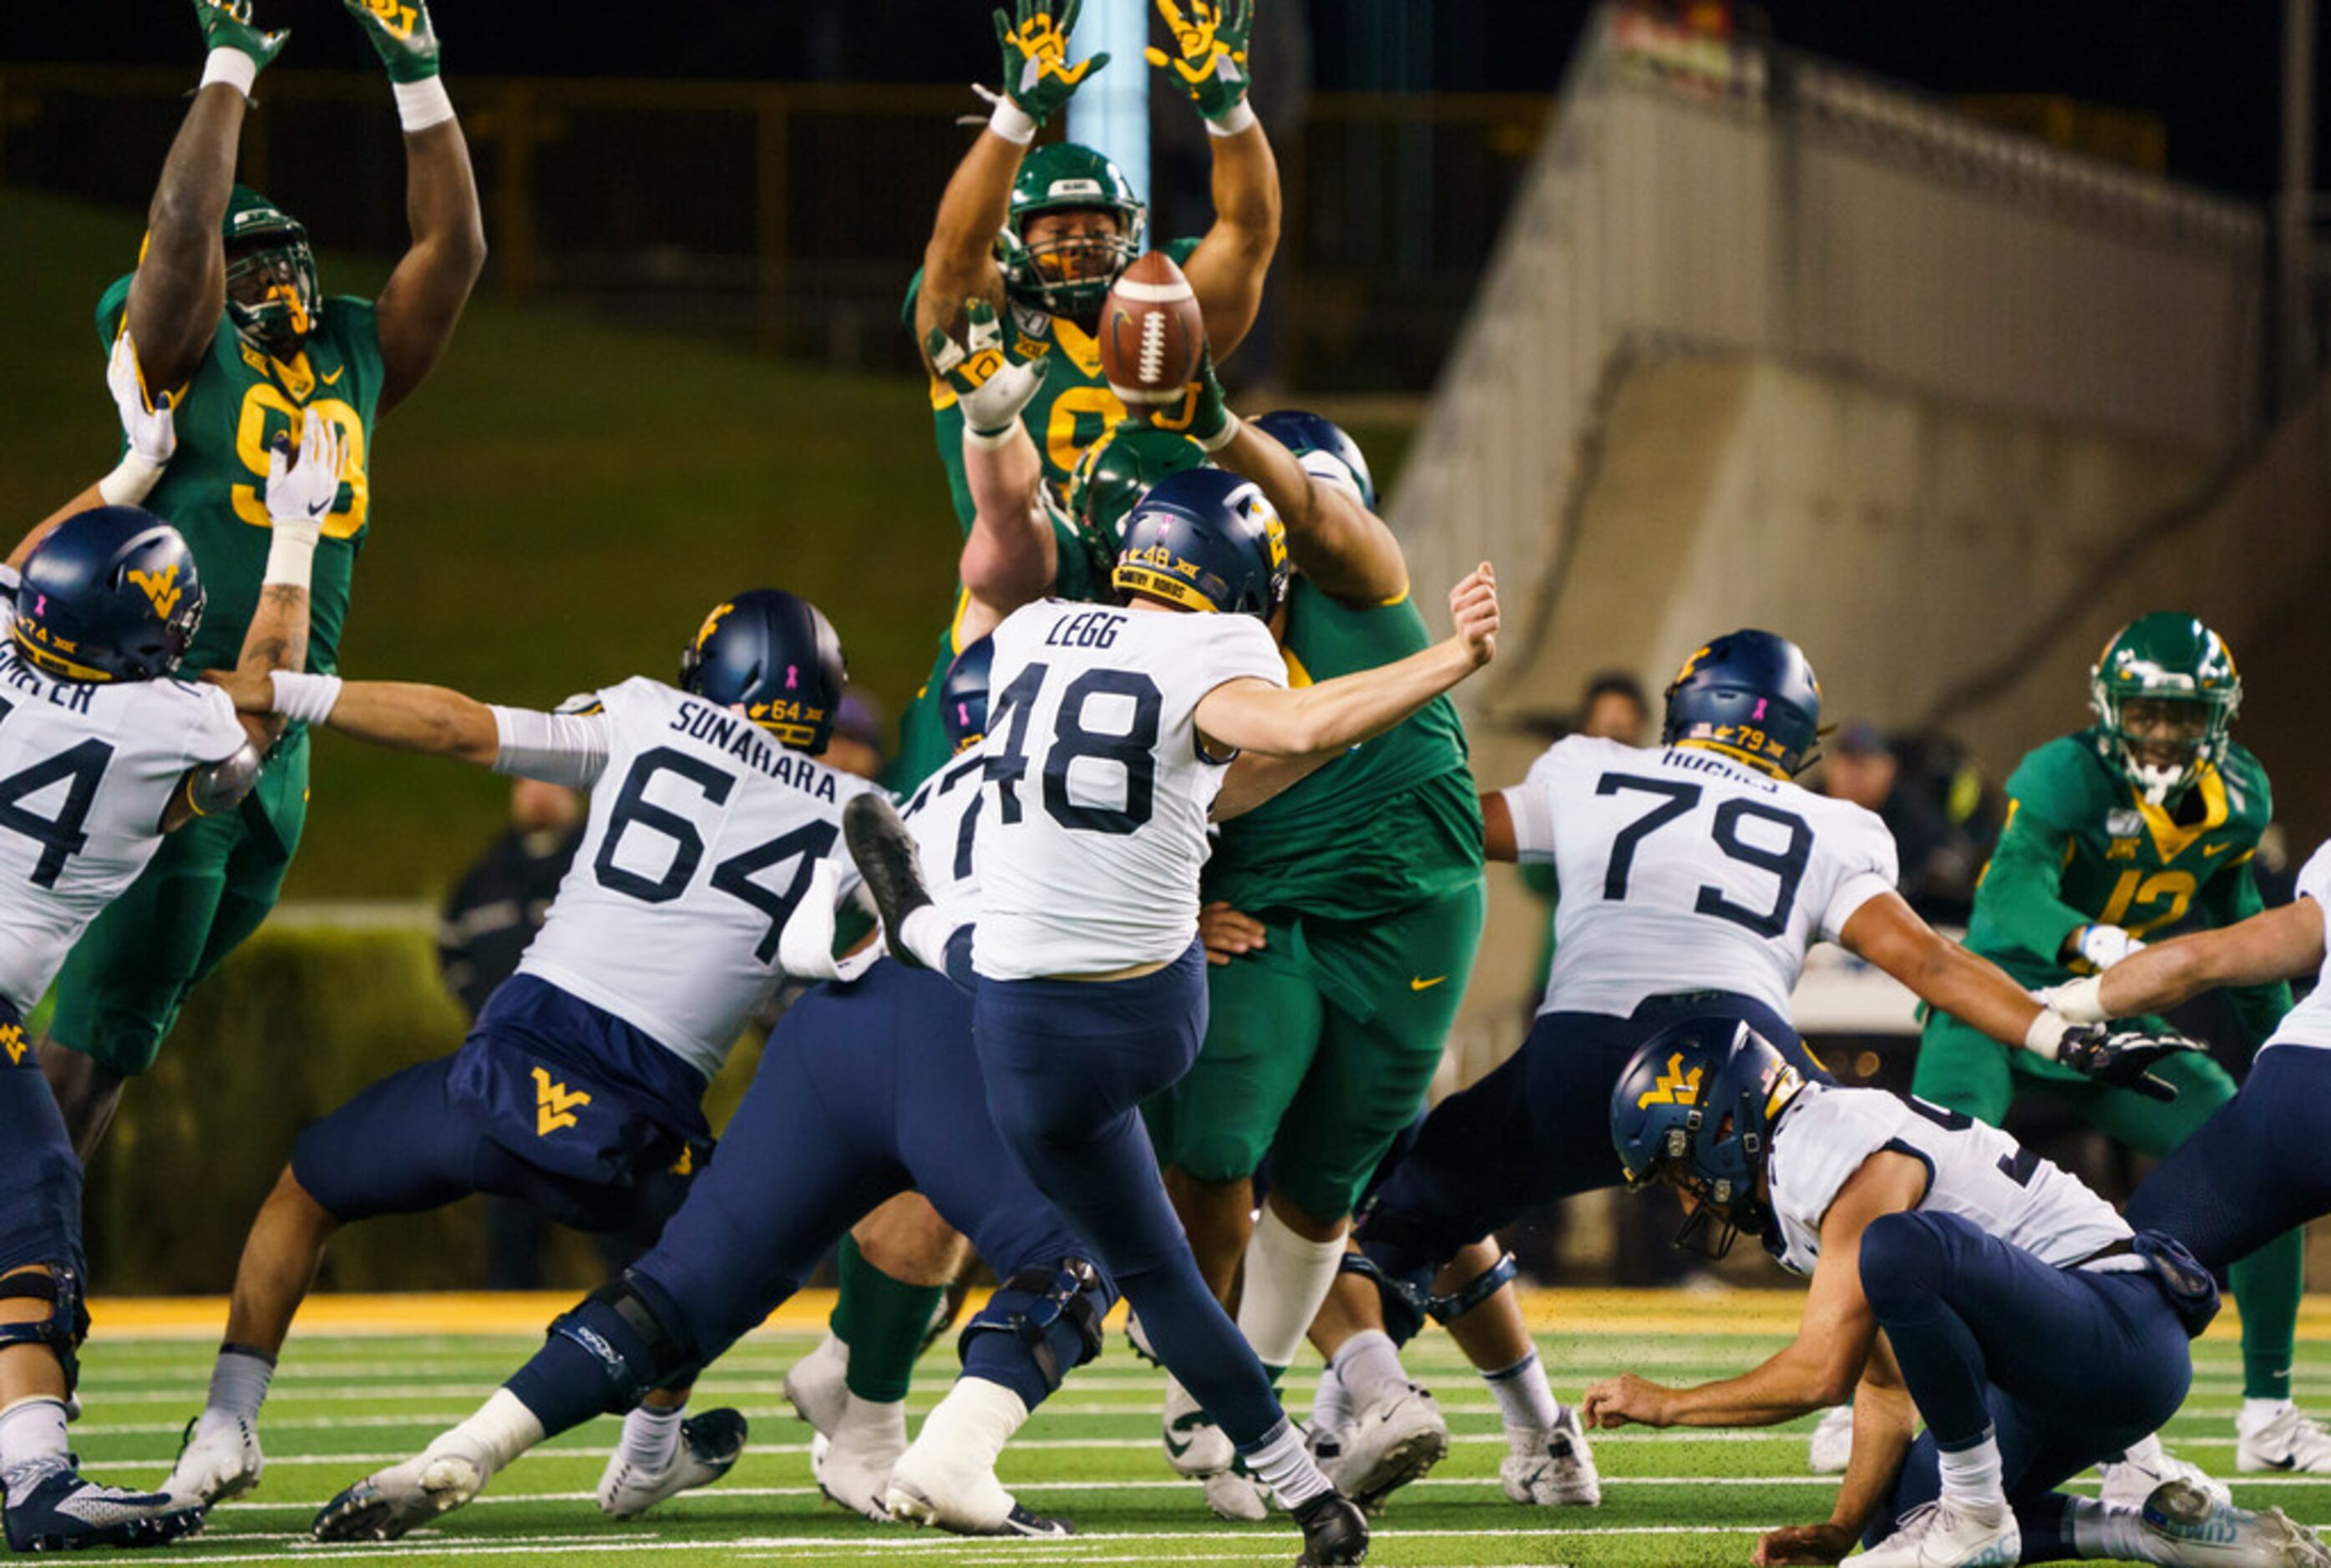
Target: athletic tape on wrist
(2046, 1035)
(1010, 122)
(290, 558)
(308, 698)
(1223, 437)
(1240, 118)
(132, 479)
(232, 66)
(422, 104)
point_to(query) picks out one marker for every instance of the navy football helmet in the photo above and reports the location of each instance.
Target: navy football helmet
(111, 594)
(1204, 540)
(775, 655)
(963, 695)
(1695, 1109)
(1750, 695)
(1322, 446)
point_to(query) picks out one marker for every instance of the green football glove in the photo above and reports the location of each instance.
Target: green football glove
(226, 25)
(402, 34)
(1211, 62)
(1037, 76)
(1204, 414)
(990, 387)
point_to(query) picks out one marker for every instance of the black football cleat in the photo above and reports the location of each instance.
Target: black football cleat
(885, 854)
(1335, 1531)
(50, 1508)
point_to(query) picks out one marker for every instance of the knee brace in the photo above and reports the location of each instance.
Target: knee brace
(622, 1330)
(1409, 1300)
(65, 1326)
(1029, 1304)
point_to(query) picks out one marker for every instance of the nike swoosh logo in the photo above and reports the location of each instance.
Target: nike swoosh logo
(333, 379)
(2210, 849)
(1421, 983)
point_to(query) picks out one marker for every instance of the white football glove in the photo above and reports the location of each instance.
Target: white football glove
(990, 387)
(2105, 946)
(151, 426)
(300, 494)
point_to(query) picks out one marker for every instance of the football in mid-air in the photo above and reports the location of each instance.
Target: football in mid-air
(1151, 333)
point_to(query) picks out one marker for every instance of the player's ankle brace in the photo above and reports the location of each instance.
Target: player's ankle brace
(64, 1327)
(1054, 1313)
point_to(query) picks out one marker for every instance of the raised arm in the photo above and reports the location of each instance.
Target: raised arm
(299, 496)
(180, 286)
(1249, 714)
(959, 261)
(422, 302)
(1010, 557)
(1209, 66)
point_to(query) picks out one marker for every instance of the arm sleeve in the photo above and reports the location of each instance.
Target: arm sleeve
(1867, 865)
(2021, 889)
(560, 748)
(2228, 899)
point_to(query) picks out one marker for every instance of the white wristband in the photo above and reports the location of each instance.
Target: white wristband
(1240, 118)
(1010, 122)
(232, 66)
(422, 104)
(1220, 438)
(290, 558)
(131, 480)
(2042, 1039)
(308, 698)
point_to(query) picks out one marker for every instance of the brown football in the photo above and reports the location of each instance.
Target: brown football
(1151, 332)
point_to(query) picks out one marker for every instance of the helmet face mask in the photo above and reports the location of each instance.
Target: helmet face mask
(2165, 693)
(1066, 266)
(272, 291)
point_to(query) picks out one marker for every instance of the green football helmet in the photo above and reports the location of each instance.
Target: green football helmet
(1069, 277)
(270, 274)
(1113, 475)
(2164, 692)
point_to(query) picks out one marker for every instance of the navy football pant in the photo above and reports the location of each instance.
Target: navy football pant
(2066, 1366)
(865, 1090)
(1535, 1130)
(2260, 1167)
(1067, 1064)
(40, 1216)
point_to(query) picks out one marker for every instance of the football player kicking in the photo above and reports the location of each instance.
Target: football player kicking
(102, 754)
(2148, 818)
(230, 326)
(578, 1091)
(2023, 1322)
(1110, 733)
(1695, 876)
(863, 1090)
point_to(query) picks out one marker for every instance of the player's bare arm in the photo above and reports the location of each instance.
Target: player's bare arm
(1249, 714)
(1208, 63)
(301, 490)
(180, 286)
(396, 715)
(1822, 1366)
(2282, 944)
(1498, 841)
(422, 302)
(1010, 557)
(1885, 1421)
(1039, 78)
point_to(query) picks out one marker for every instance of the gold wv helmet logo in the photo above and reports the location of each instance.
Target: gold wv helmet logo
(1674, 1087)
(161, 587)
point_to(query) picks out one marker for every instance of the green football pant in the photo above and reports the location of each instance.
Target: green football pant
(208, 886)
(1962, 1069)
(1319, 1048)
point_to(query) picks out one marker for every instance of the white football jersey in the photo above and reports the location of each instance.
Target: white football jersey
(1682, 870)
(1092, 825)
(86, 771)
(702, 833)
(1973, 1170)
(2309, 1022)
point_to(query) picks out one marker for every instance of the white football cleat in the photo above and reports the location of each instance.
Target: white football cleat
(1194, 1446)
(819, 1383)
(1938, 1534)
(2286, 1440)
(2195, 1530)
(388, 1503)
(1236, 1495)
(1551, 1466)
(965, 1499)
(216, 1464)
(707, 1450)
(854, 1470)
(1831, 1449)
(1136, 1340)
(2132, 1478)
(1391, 1442)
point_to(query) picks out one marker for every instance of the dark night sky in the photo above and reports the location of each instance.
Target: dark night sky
(2209, 70)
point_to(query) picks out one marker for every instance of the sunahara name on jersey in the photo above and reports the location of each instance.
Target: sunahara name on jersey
(747, 741)
(1682, 870)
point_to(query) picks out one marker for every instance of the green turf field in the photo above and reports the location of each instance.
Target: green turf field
(344, 1405)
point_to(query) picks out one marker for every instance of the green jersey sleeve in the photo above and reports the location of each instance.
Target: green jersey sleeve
(2021, 889)
(111, 308)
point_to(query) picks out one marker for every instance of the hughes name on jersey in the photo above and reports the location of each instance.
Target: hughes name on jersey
(1092, 830)
(1684, 870)
(1972, 1170)
(701, 835)
(87, 770)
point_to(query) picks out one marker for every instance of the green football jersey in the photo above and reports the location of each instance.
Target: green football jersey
(2113, 858)
(215, 490)
(1393, 822)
